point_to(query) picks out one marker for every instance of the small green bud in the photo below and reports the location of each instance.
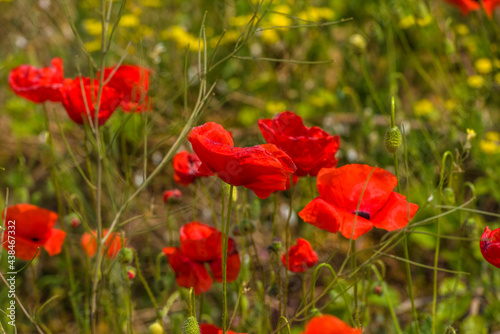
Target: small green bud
(155, 328)
(237, 230)
(315, 312)
(276, 245)
(393, 139)
(190, 326)
(247, 226)
(449, 196)
(131, 272)
(126, 255)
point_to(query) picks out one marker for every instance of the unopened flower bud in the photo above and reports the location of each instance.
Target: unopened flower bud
(393, 139)
(378, 290)
(247, 226)
(190, 326)
(236, 230)
(131, 272)
(315, 312)
(126, 255)
(275, 245)
(155, 328)
(172, 196)
(73, 220)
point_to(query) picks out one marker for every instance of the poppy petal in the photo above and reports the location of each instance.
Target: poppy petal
(53, 246)
(490, 246)
(233, 264)
(328, 324)
(200, 242)
(395, 213)
(322, 215)
(301, 256)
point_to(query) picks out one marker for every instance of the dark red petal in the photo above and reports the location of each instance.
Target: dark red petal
(133, 82)
(209, 329)
(343, 186)
(301, 256)
(322, 215)
(490, 246)
(188, 273)
(395, 214)
(25, 248)
(53, 246)
(76, 103)
(360, 224)
(200, 242)
(233, 264)
(328, 324)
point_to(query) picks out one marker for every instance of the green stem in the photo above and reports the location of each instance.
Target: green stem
(388, 299)
(287, 245)
(438, 241)
(357, 320)
(146, 286)
(224, 260)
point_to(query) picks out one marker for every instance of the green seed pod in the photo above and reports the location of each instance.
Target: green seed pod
(449, 196)
(190, 326)
(393, 139)
(275, 245)
(155, 328)
(247, 226)
(126, 255)
(315, 312)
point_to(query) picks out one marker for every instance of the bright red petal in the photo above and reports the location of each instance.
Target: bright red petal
(343, 187)
(53, 246)
(200, 242)
(301, 256)
(322, 215)
(395, 214)
(328, 324)
(490, 246)
(233, 264)
(465, 5)
(32, 223)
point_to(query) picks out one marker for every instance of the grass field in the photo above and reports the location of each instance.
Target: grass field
(394, 185)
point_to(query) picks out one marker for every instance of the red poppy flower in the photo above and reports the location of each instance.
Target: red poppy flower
(471, 5)
(212, 329)
(76, 104)
(490, 246)
(33, 229)
(301, 256)
(201, 243)
(133, 82)
(262, 168)
(38, 84)
(113, 243)
(328, 324)
(339, 193)
(186, 168)
(171, 196)
(310, 148)
(188, 273)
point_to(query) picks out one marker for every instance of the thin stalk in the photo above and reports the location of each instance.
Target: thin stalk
(224, 260)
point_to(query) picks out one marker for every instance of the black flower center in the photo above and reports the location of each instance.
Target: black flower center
(364, 214)
(35, 239)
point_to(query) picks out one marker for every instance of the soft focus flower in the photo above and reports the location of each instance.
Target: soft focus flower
(38, 84)
(310, 148)
(407, 22)
(172, 196)
(475, 81)
(33, 227)
(316, 14)
(328, 324)
(182, 38)
(339, 195)
(462, 29)
(212, 329)
(201, 243)
(490, 246)
(483, 65)
(423, 107)
(133, 83)
(113, 243)
(491, 142)
(186, 168)
(466, 5)
(497, 78)
(262, 168)
(358, 41)
(76, 104)
(301, 256)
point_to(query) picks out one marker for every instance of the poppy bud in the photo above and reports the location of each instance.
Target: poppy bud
(173, 196)
(247, 226)
(378, 290)
(392, 139)
(72, 219)
(315, 312)
(275, 245)
(126, 255)
(236, 230)
(131, 272)
(449, 196)
(190, 326)
(155, 328)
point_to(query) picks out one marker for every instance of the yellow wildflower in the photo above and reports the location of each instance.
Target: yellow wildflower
(94, 45)
(270, 36)
(471, 134)
(491, 143)
(274, 107)
(151, 3)
(315, 14)
(129, 20)
(182, 38)
(462, 29)
(450, 104)
(407, 21)
(424, 21)
(483, 65)
(423, 107)
(93, 27)
(240, 21)
(475, 81)
(358, 41)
